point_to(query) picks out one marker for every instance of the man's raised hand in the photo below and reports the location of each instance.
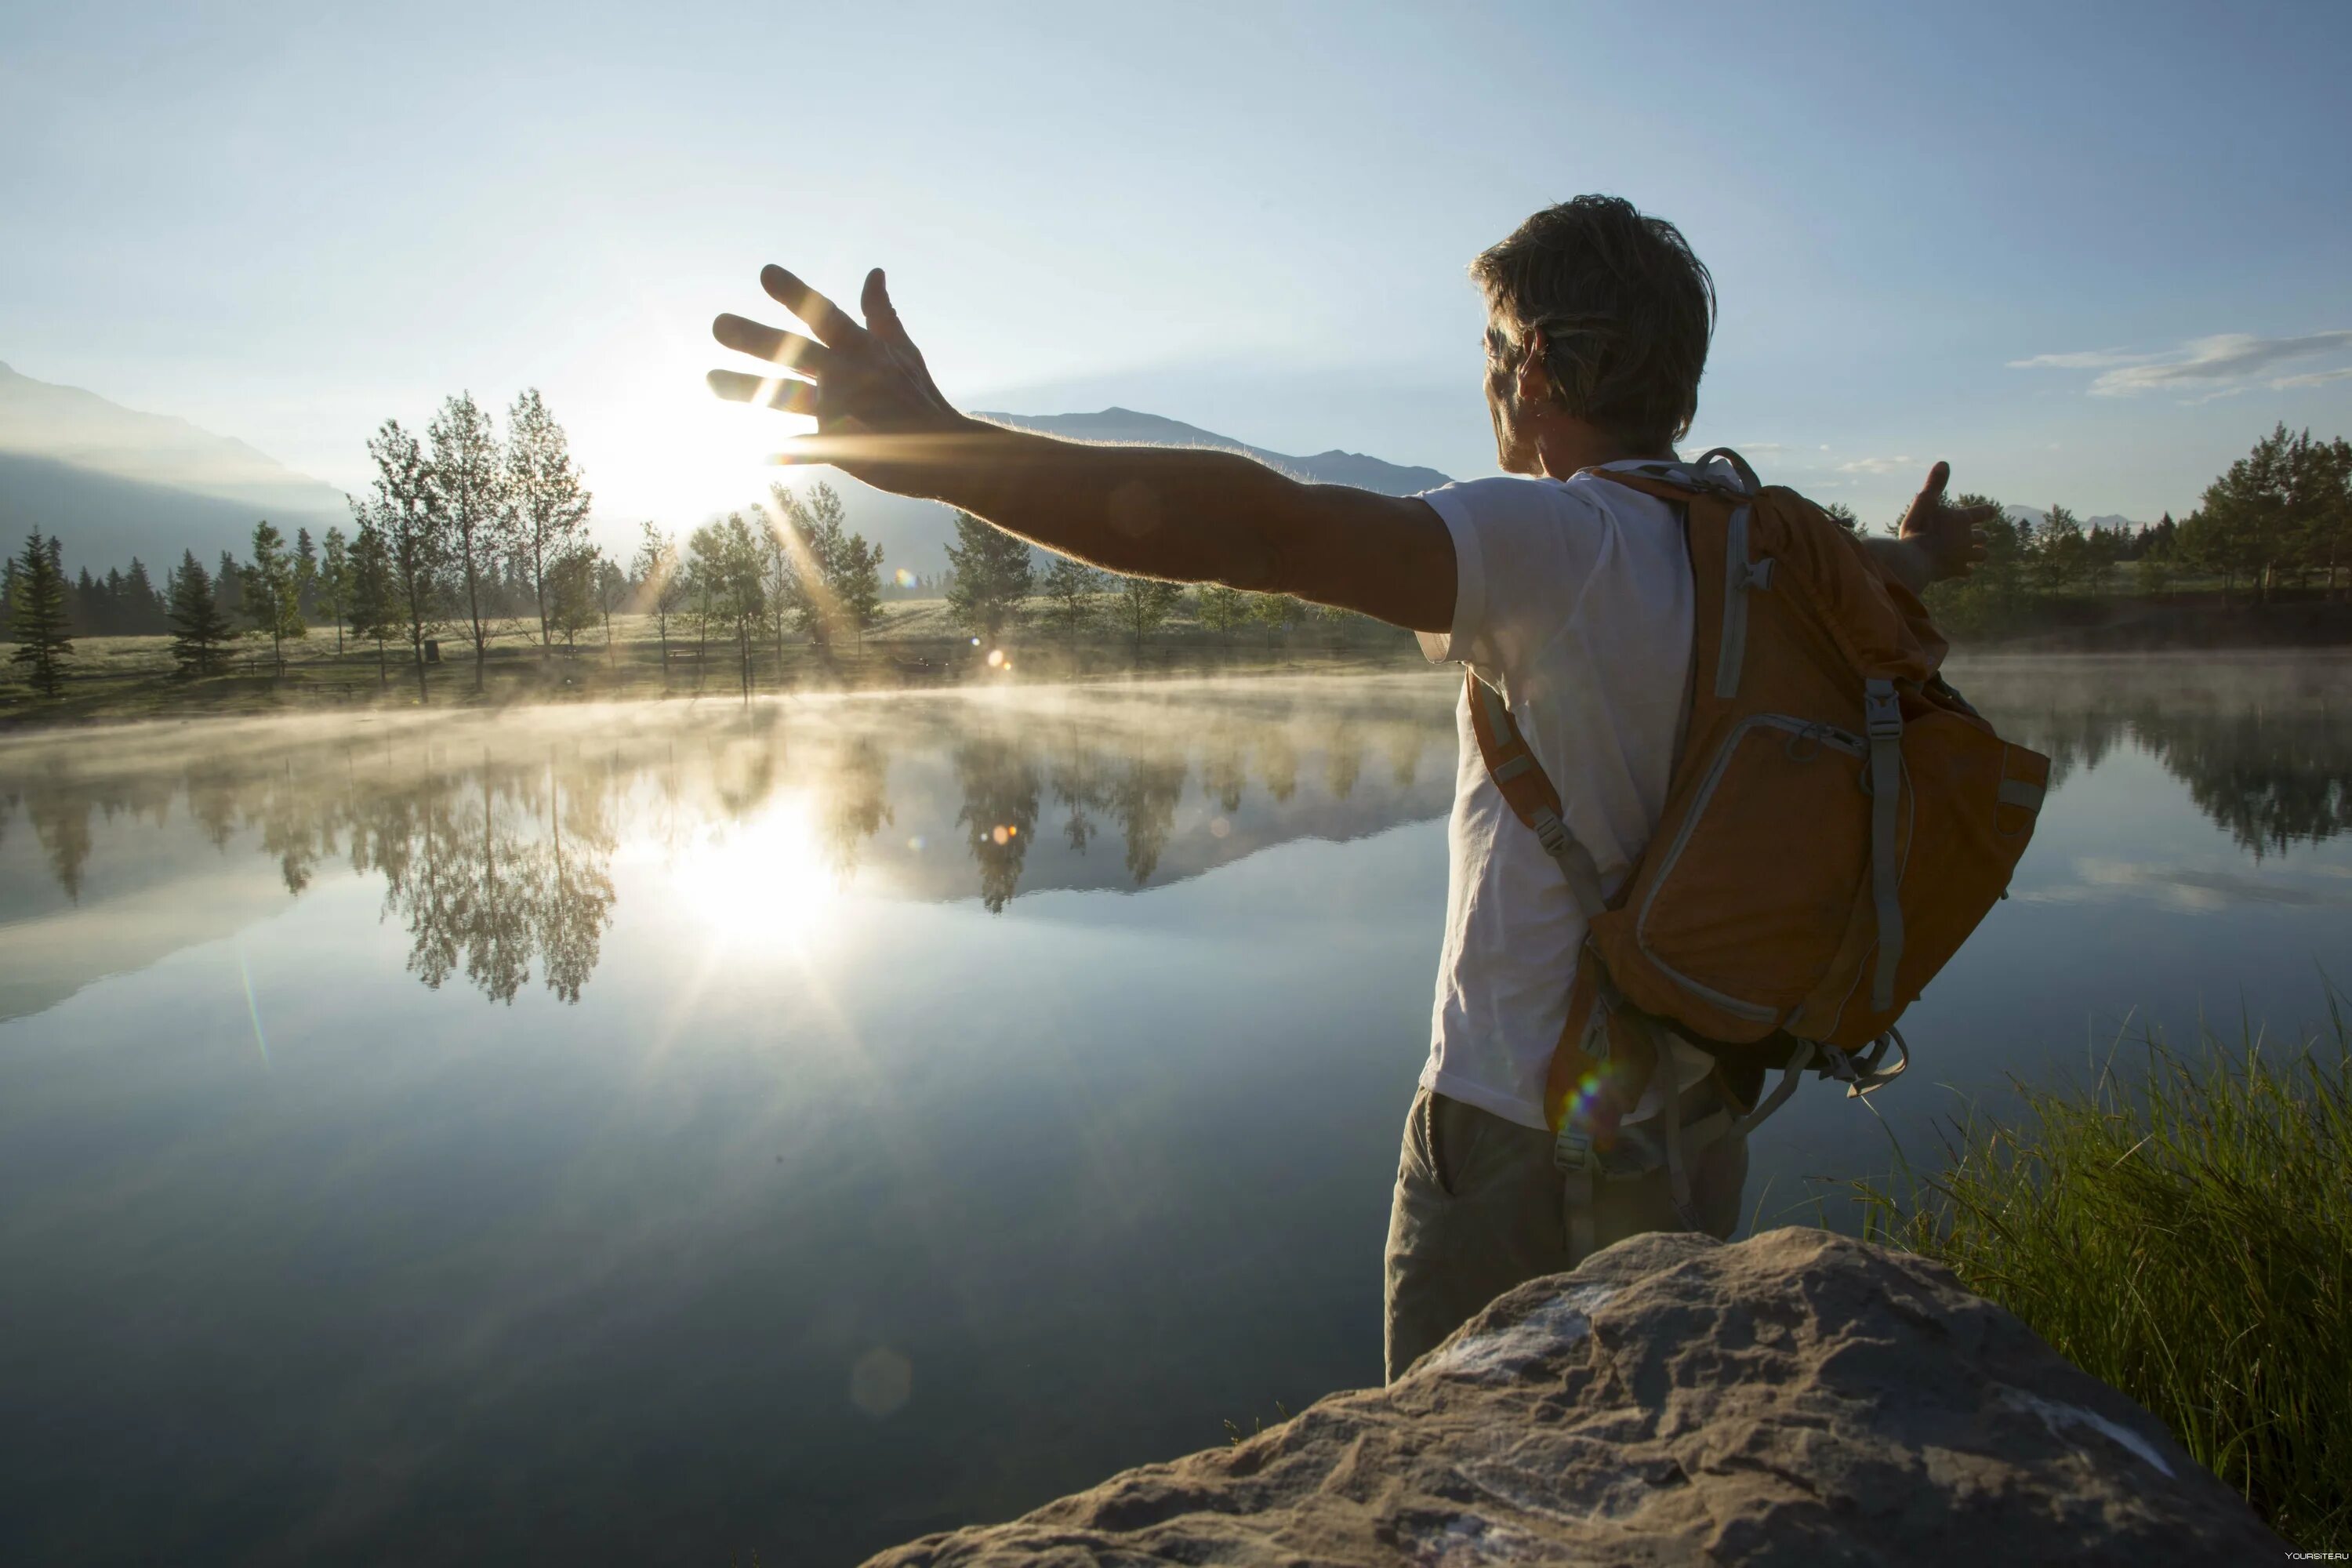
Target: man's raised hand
(866, 387)
(1948, 535)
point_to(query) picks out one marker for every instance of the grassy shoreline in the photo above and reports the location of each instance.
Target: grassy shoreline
(2181, 1228)
(133, 678)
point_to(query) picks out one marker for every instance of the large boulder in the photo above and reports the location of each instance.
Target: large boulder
(1801, 1397)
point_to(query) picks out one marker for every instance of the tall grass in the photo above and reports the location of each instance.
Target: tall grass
(2182, 1229)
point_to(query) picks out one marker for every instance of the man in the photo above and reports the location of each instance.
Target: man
(1569, 595)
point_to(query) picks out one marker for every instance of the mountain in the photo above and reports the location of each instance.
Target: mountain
(915, 534)
(1124, 427)
(112, 482)
(2037, 516)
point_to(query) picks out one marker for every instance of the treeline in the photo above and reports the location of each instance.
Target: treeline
(2281, 517)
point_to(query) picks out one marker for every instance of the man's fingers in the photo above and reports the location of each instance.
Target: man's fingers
(787, 349)
(829, 321)
(881, 316)
(1933, 490)
(779, 393)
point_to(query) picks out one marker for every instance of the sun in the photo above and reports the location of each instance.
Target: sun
(761, 881)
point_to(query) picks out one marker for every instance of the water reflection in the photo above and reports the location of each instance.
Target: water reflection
(2263, 746)
(494, 836)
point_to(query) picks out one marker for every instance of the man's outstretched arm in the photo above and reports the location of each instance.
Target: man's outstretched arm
(1187, 516)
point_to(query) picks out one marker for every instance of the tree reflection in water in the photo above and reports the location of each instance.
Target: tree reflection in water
(495, 836)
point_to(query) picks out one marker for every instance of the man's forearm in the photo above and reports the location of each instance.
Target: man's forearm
(1904, 561)
(1187, 515)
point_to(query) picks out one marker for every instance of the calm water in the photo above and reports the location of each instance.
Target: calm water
(661, 1135)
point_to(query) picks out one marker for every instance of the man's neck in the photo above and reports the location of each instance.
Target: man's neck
(1573, 446)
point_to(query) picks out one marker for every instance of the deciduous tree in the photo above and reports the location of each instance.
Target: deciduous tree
(547, 501)
(467, 489)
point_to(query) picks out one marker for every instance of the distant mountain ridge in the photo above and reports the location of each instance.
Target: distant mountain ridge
(2037, 516)
(113, 482)
(1125, 427)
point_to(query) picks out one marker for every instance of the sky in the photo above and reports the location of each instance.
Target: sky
(2087, 252)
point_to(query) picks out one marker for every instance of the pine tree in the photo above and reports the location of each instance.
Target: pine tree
(305, 572)
(200, 629)
(147, 605)
(273, 591)
(375, 605)
(36, 613)
(334, 594)
(993, 574)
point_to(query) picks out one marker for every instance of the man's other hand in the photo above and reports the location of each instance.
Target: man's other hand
(878, 413)
(1949, 537)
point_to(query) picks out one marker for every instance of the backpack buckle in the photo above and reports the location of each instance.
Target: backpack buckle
(1572, 1152)
(1882, 710)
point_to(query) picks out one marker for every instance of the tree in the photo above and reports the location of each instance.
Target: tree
(199, 628)
(857, 584)
(36, 613)
(724, 564)
(548, 502)
(305, 572)
(414, 532)
(1221, 609)
(273, 591)
(228, 586)
(375, 603)
(467, 487)
(836, 576)
(611, 593)
(995, 573)
(569, 606)
(781, 566)
(1142, 604)
(2058, 550)
(334, 594)
(1275, 612)
(665, 585)
(1071, 589)
(1842, 515)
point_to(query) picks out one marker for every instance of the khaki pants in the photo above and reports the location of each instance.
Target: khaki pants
(1480, 1207)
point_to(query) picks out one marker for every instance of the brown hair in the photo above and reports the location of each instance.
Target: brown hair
(1625, 308)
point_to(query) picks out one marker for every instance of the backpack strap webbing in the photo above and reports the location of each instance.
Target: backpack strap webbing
(1529, 790)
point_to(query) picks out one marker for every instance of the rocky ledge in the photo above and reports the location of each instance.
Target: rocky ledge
(1799, 1398)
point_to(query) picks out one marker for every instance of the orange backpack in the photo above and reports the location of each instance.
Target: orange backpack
(1837, 821)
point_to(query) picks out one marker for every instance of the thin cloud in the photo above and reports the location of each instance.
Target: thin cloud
(2203, 369)
(2087, 358)
(1875, 465)
(2312, 378)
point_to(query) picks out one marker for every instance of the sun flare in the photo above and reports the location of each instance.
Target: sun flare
(762, 880)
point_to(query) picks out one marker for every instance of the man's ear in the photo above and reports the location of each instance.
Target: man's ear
(1535, 386)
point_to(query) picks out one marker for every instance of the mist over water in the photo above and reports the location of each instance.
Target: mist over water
(666, 1133)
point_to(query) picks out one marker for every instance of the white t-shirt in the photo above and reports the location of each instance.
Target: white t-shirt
(1574, 600)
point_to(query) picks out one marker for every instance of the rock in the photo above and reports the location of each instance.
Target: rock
(1799, 1398)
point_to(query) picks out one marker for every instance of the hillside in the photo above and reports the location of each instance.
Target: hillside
(113, 482)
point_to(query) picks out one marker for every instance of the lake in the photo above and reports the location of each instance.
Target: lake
(678, 1133)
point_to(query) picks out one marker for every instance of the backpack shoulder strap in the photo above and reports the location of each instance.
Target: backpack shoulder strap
(1529, 790)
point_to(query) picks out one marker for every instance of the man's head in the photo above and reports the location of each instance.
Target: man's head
(1598, 321)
